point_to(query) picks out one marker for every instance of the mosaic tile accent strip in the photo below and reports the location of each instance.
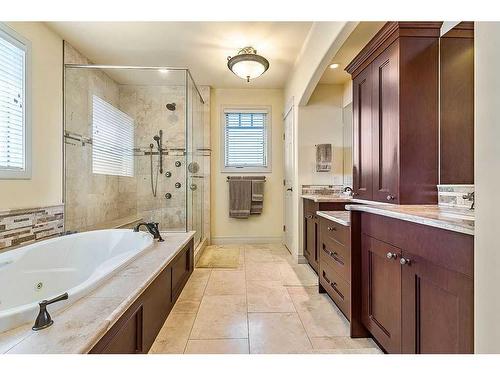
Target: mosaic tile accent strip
(24, 226)
(452, 195)
(322, 189)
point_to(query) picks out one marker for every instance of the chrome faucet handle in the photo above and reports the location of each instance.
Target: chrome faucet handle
(470, 197)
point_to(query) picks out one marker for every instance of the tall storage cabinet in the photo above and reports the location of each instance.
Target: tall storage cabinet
(395, 109)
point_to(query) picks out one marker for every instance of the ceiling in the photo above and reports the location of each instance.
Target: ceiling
(203, 47)
(351, 47)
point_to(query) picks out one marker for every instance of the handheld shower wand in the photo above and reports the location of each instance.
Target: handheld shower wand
(159, 141)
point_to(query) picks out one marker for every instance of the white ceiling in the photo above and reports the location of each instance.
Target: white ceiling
(203, 47)
(351, 47)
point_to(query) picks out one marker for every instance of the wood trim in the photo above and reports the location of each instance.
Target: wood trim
(388, 34)
(464, 30)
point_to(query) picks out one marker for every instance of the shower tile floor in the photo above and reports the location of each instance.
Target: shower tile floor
(269, 304)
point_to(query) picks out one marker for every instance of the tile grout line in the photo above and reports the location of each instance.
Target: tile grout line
(300, 319)
(246, 297)
(197, 310)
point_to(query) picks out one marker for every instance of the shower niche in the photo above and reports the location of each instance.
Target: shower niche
(132, 135)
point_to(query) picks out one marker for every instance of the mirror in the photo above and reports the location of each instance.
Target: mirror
(456, 52)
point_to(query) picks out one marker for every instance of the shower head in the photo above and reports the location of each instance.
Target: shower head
(158, 141)
(171, 106)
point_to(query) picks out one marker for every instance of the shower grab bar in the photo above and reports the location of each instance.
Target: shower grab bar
(78, 137)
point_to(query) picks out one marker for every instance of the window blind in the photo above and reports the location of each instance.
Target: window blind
(12, 111)
(113, 140)
(245, 139)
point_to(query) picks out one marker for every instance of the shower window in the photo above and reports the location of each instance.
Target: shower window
(113, 140)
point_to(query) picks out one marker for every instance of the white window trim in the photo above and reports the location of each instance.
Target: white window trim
(18, 40)
(240, 109)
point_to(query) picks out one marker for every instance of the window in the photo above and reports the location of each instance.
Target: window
(246, 135)
(15, 126)
(113, 140)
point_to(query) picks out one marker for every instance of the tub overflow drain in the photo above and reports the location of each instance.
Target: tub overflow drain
(39, 286)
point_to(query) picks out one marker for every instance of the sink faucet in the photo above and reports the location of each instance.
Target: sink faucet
(470, 198)
(152, 228)
(348, 189)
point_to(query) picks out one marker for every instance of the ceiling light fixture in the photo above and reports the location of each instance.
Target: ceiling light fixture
(334, 66)
(247, 64)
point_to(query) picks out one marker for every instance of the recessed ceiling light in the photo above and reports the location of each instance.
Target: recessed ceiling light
(334, 66)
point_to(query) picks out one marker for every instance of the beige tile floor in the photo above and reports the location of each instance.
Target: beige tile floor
(269, 304)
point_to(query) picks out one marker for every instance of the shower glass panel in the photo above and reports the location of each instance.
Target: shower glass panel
(130, 135)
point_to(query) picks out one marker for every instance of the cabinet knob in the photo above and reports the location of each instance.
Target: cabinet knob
(390, 197)
(404, 261)
(331, 228)
(390, 255)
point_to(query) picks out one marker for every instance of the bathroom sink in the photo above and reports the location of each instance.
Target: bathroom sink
(459, 216)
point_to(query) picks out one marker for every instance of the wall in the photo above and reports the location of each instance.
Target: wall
(45, 186)
(321, 122)
(323, 42)
(487, 180)
(268, 225)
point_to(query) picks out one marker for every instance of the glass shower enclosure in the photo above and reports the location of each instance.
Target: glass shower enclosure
(133, 148)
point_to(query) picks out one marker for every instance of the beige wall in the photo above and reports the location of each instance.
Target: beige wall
(45, 186)
(487, 181)
(321, 122)
(268, 225)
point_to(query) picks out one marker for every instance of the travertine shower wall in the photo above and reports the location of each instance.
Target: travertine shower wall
(90, 199)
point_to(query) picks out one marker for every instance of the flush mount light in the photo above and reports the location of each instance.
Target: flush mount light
(247, 64)
(334, 66)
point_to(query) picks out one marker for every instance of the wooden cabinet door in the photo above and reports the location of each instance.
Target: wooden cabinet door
(182, 266)
(381, 292)
(385, 129)
(362, 132)
(311, 240)
(437, 308)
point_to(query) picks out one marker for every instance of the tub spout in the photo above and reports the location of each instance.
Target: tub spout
(43, 320)
(152, 228)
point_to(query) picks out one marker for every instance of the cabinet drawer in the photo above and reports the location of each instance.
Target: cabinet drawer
(335, 232)
(337, 288)
(337, 258)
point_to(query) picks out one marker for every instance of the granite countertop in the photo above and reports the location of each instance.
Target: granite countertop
(80, 326)
(341, 217)
(459, 220)
(340, 198)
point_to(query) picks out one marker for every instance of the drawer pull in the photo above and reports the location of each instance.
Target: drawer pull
(390, 255)
(333, 255)
(326, 278)
(332, 229)
(334, 287)
(404, 261)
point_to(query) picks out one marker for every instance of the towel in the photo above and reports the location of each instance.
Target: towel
(323, 157)
(240, 200)
(257, 197)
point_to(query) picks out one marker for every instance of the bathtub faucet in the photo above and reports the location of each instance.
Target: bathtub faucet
(43, 320)
(152, 228)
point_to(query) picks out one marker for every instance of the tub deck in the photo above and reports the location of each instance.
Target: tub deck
(80, 326)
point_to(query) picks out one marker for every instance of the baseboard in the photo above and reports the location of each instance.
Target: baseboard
(302, 259)
(226, 240)
(199, 249)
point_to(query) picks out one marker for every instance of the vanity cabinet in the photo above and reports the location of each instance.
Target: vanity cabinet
(135, 331)
(311, 228)
(416, 286)
(395, 114)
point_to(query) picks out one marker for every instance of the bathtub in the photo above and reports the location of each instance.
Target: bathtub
(76, 264)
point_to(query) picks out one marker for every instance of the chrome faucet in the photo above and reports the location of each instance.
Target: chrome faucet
(348, 189)
(470, 198)
(152, 228)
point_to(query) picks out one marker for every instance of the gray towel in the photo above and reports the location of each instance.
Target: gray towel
(323, 157)
(240, 198)
(257, 197)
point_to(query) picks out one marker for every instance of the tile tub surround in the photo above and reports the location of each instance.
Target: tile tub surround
(77, 328)
(24, 226)
(449, 218)
(340, 217)
(452, 195)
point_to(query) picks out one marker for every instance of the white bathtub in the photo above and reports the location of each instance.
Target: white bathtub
(76, 264)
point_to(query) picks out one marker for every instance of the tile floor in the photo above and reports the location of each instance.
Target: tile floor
(269, 304)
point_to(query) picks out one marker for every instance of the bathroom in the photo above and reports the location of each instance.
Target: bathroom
(295, 186)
